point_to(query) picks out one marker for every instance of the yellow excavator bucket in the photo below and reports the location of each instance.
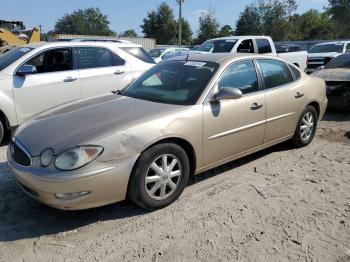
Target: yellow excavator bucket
(8, 38)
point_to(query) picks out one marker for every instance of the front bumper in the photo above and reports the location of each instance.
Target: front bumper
(106, 183)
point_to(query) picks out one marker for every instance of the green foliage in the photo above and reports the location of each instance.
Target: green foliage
(226, 30)
(161, 25)
(129, 33)
(186, 32)
(339, 11)
(88, 21)
(208, 27)
(277, 19)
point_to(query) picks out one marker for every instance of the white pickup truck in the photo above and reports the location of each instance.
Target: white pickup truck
(251, 44)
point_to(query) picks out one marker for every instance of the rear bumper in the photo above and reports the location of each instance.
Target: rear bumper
(323, 108)
(105, 185)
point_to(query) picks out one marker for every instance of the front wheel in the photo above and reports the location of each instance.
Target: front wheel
(159, 176)
(306, 128)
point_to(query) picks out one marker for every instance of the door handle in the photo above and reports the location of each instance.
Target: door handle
(298, 95)
(256, 106)
(69, 79)
(119, 72)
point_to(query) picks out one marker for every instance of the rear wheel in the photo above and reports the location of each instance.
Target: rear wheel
(159, 176)
(306, 128)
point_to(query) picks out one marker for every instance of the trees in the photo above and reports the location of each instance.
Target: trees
(88, 21)
(161, 25)
(208, 27)
(186, 32)
(225, 30)
(249, 21)
(339, 11)
(129, 33)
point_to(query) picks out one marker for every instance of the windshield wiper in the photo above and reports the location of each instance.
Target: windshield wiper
(117, 92)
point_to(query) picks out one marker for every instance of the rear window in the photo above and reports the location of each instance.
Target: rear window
(217, 46)
(342, 61)
(264, 46)
(327, 48)
(12, 55)
(139, 53)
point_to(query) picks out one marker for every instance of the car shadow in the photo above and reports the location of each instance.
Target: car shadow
(336, 115)
(347, 135)
(22, 217)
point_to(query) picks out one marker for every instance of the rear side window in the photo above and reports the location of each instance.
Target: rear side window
(295, 72)
(275, 73)
(139, 53)
(264, 46)
(94, 57)
(241, 75)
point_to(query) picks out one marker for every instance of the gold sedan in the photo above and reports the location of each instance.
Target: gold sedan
(181, 117)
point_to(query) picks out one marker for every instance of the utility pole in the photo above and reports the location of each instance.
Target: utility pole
(180, 2)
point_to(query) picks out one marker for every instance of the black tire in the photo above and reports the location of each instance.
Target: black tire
(2, 132)
(137, 186)
(298, 140)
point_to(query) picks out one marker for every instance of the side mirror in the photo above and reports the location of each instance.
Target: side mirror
(226, 93)
(26, 70)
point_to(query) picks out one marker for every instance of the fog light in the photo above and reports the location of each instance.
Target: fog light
(71, 196)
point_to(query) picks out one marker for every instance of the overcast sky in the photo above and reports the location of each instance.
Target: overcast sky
(129, 14)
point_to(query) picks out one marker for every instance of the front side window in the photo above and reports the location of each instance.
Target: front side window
(94, 57)
(275, 73)
(264, 46)
(54, 60)
(173, 82)
(217, 46)
(241, 75)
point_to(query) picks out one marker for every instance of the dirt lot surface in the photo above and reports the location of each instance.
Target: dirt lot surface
(281, 204)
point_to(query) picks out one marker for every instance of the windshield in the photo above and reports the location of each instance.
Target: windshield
(12, 55)
(327, 48)
(156, 52)
(342, 61)
(173, 82)
(217, 46)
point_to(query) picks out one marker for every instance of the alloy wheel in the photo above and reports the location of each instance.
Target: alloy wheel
(307, 126)
(163, 176)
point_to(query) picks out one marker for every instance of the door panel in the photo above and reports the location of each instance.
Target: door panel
(283, 109)
(96, 81)
(232, 127)
(101, 71)
(284, 99)
(39, 92)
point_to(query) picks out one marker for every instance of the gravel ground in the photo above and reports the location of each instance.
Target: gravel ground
(281, 204)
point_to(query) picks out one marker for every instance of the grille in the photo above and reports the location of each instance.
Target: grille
(19, 155)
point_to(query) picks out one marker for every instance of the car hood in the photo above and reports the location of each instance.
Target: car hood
(338, 74)
(330, 54)
(86, 121)
(3, 76)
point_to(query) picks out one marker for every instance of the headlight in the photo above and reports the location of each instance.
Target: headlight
(46, 157)
(77, 157)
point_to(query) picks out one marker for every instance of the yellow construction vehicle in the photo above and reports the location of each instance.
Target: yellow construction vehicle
(13, 33)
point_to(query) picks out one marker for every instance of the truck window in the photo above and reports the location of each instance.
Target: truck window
(246, 46)
(264, 46)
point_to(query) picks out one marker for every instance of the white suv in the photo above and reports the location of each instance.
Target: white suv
(36, 77)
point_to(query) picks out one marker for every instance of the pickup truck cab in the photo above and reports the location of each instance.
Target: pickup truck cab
(320, 54)
(251, 44)
(40, 76)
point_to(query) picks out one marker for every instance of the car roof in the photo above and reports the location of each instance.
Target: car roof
(333, 42)
(238, 37)
(219, 58)
(84, 43)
